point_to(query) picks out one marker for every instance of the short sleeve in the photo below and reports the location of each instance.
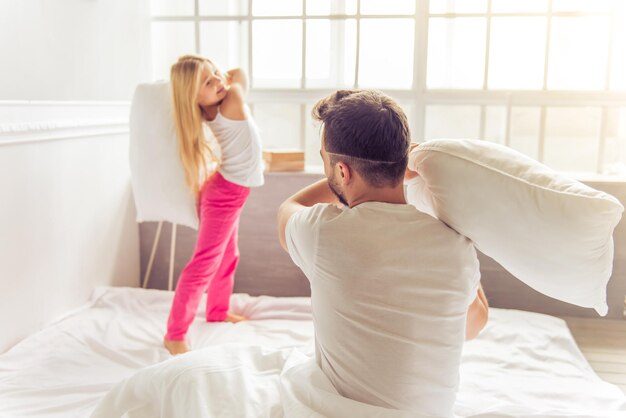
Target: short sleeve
(301, 234)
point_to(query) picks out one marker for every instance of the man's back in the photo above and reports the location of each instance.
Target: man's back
(390, 290)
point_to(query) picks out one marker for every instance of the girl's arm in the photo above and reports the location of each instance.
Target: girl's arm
(238, 76)
(232, 107)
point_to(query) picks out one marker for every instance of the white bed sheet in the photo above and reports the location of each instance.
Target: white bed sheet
(522, 365)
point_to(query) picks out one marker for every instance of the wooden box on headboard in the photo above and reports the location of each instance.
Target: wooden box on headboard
(266, 269)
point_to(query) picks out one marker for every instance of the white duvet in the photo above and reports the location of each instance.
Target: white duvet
(109, 355)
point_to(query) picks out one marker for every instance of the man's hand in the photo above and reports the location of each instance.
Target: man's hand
(410, 174)
(477, 315)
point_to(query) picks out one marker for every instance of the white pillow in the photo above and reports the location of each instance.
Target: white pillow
(551, 232)
(157, 174)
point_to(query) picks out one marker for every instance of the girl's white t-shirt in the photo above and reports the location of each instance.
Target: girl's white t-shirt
(390, 289)
(240, 149)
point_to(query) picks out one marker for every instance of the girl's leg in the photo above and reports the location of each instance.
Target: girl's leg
(221, 285)
(221, 204)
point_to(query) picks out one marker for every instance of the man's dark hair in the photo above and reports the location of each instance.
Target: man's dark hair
(370, 132)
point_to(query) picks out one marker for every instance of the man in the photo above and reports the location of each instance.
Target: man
(390, 286)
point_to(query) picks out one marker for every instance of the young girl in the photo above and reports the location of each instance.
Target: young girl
(202, 94)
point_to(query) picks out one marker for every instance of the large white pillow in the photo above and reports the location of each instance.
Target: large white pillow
(551, 232)
(157, 174)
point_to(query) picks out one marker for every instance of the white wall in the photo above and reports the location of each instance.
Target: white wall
(67, 218)
(67, 222)
(73, 49)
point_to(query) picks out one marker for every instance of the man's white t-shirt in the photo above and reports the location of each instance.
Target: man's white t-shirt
(390, 288)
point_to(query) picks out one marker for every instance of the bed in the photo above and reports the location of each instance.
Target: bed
(523, 365)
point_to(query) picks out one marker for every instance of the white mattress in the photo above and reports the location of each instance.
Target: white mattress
(522, 365)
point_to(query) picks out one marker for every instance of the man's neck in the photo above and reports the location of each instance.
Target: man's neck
(394, 195)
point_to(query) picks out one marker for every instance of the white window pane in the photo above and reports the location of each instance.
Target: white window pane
(409, 111)
(170, 40)
(458, 6)
(524, 131)
(328, 7)
(312, 140)
(330, 53)
(495, 124)
(578, 53)
(517, 52)
(222, 7)
(572, 139)
(277, 7)
(517, 6)
(387, 7)
(582, 5)
(171, 8)
(615, 142)
(618, 68)
(277, 53)
(229, 52)
(386, 53)
(279, 124)
(456, 53)
(451, 121)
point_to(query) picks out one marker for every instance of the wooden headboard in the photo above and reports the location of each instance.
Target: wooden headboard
(266, 269)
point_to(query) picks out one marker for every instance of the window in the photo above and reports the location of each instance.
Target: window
(545, 77)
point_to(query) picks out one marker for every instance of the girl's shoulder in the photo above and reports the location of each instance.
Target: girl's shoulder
(233, 105)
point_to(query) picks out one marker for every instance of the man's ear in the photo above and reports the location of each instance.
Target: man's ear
(345, 173)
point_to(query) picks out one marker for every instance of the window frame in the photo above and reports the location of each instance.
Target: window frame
(419, 95)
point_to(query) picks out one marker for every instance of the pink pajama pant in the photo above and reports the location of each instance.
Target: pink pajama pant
(212, 267)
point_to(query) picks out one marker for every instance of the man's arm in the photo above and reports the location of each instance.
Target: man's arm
(410, 174)
(318, 192)
(477, 315)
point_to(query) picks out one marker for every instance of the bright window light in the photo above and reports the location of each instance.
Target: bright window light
(386, 53)
(387, 7)
(330, 53)
(171, 8)
(545, 77)
(618, 69)
(226, 51)
(615, 142)
(452, 122)
(222, 7)
(582, 5)
(519, 6)
(170, 40)
(456, 52)
(517, 52)
(330, 7)
(495, 124)
(525, 130)
(277, 124)
(578, 53)
(276, 53)
(571, 140)
(277, 7)
(458, 6)
(312, 140)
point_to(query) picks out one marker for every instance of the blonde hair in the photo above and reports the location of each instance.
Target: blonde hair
(193, 149)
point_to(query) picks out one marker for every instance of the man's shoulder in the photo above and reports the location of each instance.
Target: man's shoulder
(319, 212)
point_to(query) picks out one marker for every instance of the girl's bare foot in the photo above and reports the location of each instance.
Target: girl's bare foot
(176, 347)
(231, 317)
